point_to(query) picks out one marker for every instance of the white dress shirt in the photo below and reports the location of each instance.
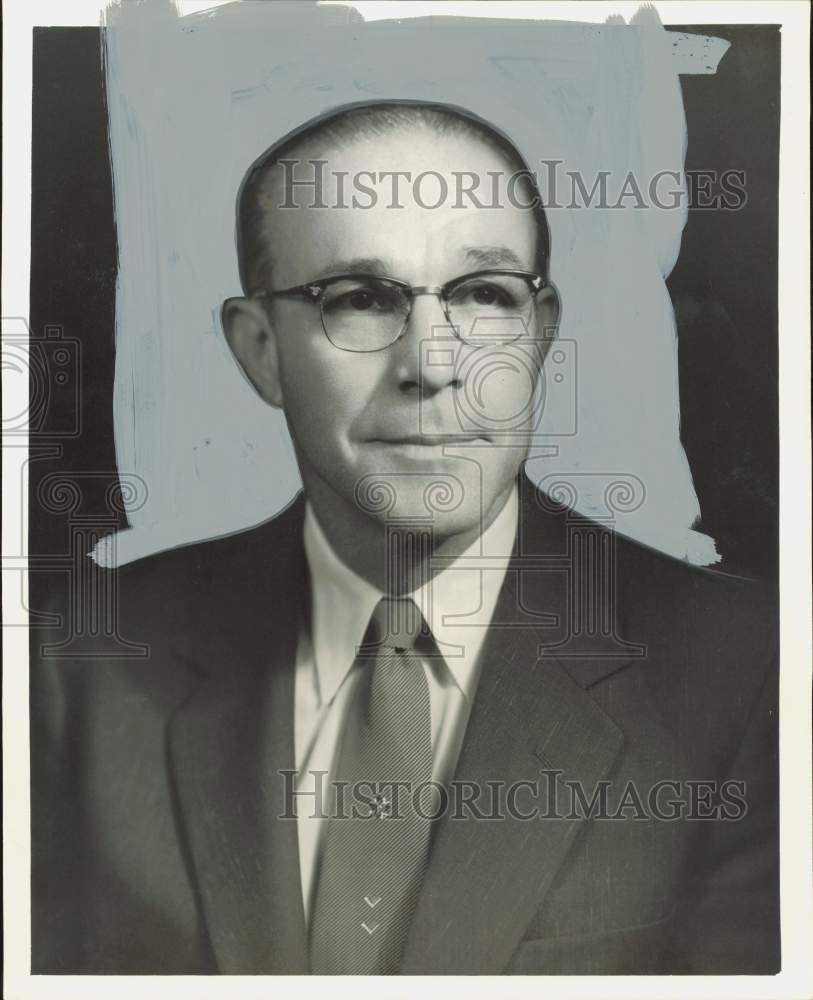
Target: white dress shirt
(457, 604)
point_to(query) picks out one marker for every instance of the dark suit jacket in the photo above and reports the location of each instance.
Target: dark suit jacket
(157, 842)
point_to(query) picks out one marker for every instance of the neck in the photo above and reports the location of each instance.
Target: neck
(393, 558)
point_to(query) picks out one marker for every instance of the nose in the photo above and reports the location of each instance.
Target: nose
(425, 356)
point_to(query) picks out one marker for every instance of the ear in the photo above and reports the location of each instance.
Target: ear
(547, 317)
(253, 342)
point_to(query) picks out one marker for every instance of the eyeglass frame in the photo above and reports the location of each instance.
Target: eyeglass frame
(312, 292)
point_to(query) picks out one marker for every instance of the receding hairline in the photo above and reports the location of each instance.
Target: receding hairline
(341, 130)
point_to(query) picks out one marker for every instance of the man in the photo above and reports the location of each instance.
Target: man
(372, 735)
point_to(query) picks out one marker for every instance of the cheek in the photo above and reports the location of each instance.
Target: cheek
(322, 390)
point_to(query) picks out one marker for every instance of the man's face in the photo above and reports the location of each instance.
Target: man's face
(429, 425)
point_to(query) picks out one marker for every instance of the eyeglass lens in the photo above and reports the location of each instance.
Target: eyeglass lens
(368, 314)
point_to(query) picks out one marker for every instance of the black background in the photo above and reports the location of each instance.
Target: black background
(724, 288)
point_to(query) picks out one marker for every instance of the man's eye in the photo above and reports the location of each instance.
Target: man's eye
(361, 298)
(485, 294)
(495, 296)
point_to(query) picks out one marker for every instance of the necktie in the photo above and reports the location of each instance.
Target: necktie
(373, 863)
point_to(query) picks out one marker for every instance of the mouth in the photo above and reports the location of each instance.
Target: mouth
(429, 440)
(424, 450)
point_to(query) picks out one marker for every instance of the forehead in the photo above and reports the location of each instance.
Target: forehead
(402, 199)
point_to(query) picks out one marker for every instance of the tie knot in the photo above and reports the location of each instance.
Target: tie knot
(397, 622)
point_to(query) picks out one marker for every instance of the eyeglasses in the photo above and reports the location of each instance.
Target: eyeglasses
(368, 312)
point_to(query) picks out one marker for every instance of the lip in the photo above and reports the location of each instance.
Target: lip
(428, 440)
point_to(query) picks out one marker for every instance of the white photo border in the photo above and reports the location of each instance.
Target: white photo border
(796, 831)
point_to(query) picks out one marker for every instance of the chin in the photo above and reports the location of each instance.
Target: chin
(422, 495)
(444, 504)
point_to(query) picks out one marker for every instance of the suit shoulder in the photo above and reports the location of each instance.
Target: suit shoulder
(720, 631)
(184, 587)
(653, 577)
(260, 547)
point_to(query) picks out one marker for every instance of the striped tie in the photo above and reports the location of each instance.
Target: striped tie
(373, 864)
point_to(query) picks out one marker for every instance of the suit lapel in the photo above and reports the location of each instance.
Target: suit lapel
(486, 877)
(229, 741)
(227, 745)
(531, 715)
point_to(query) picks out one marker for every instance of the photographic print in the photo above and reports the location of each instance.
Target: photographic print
(399, 550)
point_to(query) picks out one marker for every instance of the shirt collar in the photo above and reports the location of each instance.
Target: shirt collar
(458, 603)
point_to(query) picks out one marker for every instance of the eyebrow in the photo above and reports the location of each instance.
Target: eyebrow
(479, 256)
(354, 265)
(494, 256)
